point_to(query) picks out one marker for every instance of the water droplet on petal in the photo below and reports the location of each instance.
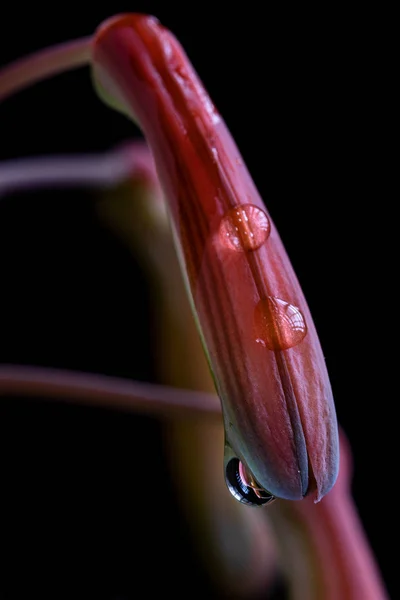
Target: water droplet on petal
(278, 324)
(243, 486)
(244, 228)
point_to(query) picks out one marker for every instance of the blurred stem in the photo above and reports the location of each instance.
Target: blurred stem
(109, 392)
(44, 64)
(107, 170)
(325, 551)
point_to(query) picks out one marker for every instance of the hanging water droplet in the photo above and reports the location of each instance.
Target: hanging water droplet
(243, 486)
(278, 324)
(245, 227)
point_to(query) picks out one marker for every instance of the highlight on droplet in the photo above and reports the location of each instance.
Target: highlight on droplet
(278, 324)
(244, 228)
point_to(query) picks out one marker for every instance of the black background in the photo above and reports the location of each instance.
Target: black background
(298, 93)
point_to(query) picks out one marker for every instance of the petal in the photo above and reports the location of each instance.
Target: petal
(252, 316)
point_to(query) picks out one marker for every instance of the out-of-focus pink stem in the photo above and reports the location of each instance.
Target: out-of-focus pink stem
(325, 547)
(109, 392)
(44, 64)
(132, 161)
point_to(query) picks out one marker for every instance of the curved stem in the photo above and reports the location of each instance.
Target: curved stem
(104, 391)
(44, 64)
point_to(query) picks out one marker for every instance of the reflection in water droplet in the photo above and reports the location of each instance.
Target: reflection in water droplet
(243, 486)
(245, 227)
(279, 325)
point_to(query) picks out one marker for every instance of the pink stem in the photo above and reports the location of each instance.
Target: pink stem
(103, 391)
(345, 560)
(132, 161)
(44, 64)
(325, 547)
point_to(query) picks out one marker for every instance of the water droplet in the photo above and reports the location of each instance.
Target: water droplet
(243, 486)
(279, 325)
(245, 227)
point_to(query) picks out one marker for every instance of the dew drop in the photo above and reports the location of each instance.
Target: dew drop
(278, 324)
(243, 486)
(244, 228)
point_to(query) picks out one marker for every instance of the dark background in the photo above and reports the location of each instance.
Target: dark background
(296, 90)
